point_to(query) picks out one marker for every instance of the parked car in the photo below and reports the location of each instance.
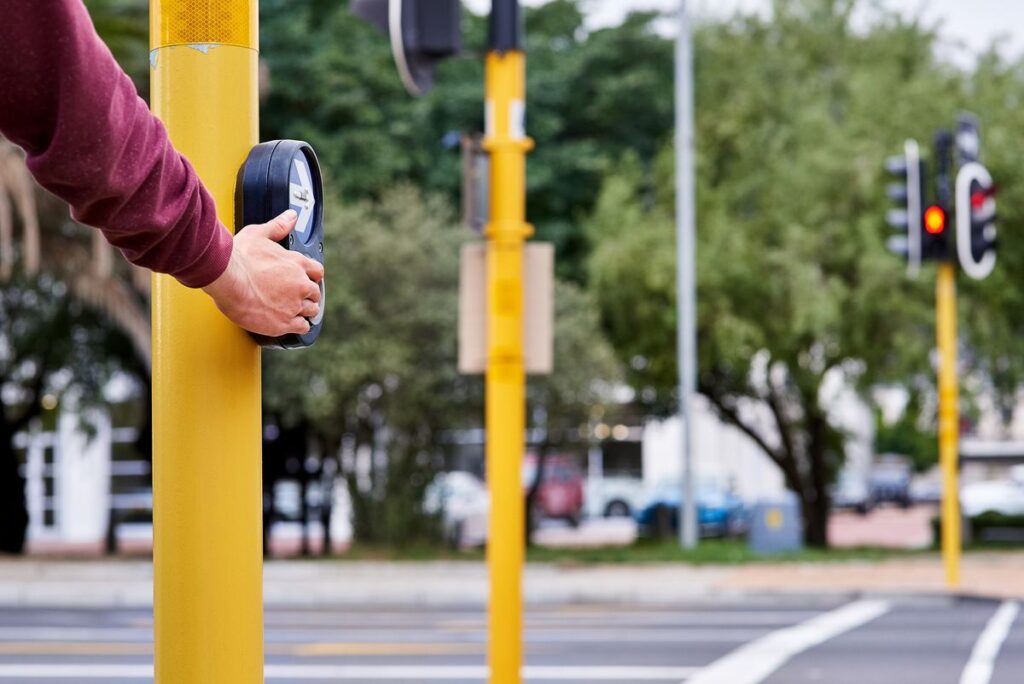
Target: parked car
(852, 492)
(560, 494)
(463, 502)
(926, 489)
(720, 513)
(1005, 496)
(613, 496)
(461, 499)
(890, 481)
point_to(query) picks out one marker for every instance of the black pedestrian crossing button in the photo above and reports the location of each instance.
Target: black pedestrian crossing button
(277, 176)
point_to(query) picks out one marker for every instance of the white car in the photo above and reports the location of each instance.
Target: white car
(999, 496)
(851, 491)
(462, 501)
(613, 497)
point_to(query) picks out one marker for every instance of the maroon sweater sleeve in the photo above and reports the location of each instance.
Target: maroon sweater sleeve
(91, 140)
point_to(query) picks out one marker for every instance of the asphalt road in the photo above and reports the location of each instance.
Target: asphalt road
(750, 641)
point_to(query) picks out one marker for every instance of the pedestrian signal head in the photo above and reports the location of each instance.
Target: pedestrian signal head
(975, 220)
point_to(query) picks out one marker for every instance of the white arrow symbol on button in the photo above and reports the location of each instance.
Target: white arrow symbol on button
(302, 196)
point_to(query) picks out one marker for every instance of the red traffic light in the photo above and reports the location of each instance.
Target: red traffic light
(982, 195)
(934, 220)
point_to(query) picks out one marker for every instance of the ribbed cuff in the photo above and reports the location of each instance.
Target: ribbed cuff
(213, 262)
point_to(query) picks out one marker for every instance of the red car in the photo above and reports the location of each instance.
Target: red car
(561, 489)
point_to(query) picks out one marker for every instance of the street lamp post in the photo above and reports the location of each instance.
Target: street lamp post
(686, 300)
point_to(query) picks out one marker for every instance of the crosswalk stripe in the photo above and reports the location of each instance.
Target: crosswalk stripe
(755, 661)
(983, 657)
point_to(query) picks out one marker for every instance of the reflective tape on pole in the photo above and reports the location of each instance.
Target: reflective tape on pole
(191, 22)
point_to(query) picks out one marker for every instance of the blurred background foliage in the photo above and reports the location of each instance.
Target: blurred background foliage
(795, 115)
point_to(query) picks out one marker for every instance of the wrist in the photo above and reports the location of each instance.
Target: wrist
(213, 263)
(222, 286)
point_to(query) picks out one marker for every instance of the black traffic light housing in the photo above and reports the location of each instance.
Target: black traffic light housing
(975, 220)
(422, 33)
(927, 224)
(277, 176)
(907, 195)
(936, 233)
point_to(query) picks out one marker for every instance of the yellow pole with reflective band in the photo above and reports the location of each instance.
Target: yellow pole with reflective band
(949, 420)
(207, 491)
(507, 144)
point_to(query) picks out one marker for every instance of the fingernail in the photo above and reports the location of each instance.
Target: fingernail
(290, 215)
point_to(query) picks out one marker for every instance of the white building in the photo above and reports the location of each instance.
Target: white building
(68, 481)
(726, 457)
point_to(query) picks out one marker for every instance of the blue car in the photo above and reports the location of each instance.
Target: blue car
(719, 512)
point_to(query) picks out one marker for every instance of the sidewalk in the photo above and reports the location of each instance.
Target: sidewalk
(310, 583)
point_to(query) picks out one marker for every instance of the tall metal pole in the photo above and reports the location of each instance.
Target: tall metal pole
(686, 298)
(506, 142)
(949, 419)
(207, 492)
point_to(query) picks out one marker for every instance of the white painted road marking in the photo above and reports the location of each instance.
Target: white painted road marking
(986, 649)
(79, 671)
(754, 662)
(600, 634)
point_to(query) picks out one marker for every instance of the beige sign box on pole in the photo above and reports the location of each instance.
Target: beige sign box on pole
(538, 307)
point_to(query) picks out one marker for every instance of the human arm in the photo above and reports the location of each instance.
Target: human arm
(92, 141)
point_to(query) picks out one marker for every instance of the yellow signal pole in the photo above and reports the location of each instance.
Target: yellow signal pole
(506, 142)
(207, 492)
(949, 420)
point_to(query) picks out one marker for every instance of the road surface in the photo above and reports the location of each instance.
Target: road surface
(766, 640)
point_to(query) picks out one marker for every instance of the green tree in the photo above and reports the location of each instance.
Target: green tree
(992, 310)
(794, 117)
(908, 435)
(590, 97)
(382, 375)
(381, 386)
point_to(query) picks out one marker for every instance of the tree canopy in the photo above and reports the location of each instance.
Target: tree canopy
(592, 96)
(795, 115)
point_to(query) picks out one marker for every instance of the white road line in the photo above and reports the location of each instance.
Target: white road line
(81, 671)
(754, 662)
(75, 634)
(533, 636)
(683, 617)
(609, 673)
(986, 649)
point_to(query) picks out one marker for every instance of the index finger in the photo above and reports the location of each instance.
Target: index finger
(314, 269)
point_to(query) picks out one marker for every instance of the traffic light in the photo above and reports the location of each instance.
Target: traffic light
(935, 236)
(908, 195)
(975, 220)
(422, 33)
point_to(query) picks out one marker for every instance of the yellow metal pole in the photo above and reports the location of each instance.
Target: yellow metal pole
(207, 492)
(949, 420)
(507, 144)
